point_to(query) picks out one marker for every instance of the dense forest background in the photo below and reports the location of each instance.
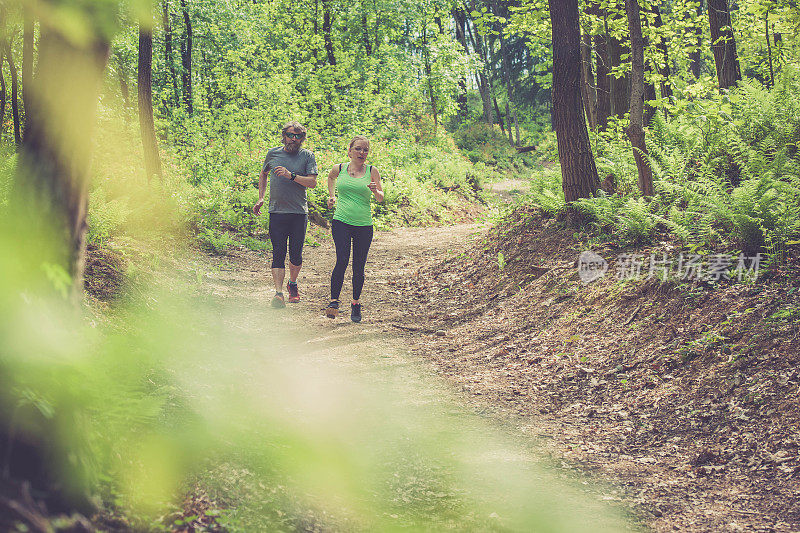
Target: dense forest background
(124, 123)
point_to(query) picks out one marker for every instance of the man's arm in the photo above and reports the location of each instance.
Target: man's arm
(309, 181)
(262, 189)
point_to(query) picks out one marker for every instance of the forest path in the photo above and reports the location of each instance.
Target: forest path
(420, 404)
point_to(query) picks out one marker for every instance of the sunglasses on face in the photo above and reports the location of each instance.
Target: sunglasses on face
(290, 135)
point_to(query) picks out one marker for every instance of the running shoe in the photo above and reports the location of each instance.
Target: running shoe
(277, 301)
(294, 294)
(355, 312)
(333, 309)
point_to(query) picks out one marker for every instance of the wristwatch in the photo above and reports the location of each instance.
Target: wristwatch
(293, 176)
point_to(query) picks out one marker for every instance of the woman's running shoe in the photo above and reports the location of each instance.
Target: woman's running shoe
(355, 312)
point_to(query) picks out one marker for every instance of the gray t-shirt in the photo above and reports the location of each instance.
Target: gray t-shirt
(285, 195)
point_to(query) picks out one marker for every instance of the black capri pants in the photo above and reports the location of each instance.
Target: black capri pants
(291, 226)
(361, 238)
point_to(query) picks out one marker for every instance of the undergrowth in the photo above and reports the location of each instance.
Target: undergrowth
(726, 173)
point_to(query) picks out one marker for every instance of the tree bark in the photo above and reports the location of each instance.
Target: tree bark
(186, 59)
(12, 69)
(27, 60)
(152, 160)
(484, 83)
(620, 87)
(431, 93)
(578, 171)
(603, 60)
(460, 22)
(588, 91)
(168, 54)
(327, 24)
(52, 176)
(635, 128)
(365, 30)
(663, 60)
(2, 96)
(723, 44)
(696, 56)
(769, 50)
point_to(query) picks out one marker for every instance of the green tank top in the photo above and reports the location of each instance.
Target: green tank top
(353, 198)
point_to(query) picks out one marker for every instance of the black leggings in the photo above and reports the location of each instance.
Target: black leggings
(284, 226)
(361, 236)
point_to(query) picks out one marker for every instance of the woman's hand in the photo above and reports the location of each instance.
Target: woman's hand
(331, 202)
(373, 186)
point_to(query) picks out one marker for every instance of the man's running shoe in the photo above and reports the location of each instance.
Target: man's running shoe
(333, 309)
(277, 301)
(355, 312)
(294, 294)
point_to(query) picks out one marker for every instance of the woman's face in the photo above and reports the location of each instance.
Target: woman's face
(359, 150)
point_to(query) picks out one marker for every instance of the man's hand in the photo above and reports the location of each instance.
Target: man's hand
(257, 207)
(283, 173)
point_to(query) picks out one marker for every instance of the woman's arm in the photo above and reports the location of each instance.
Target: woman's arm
(375, 184)
(332, 187)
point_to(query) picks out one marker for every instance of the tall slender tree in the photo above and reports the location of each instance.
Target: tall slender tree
(12, 69)
(635, 128)
(723, 44)
(603, 67)
(166, 21)
(186, 59)
(578, 170)
(152, 160)
(27, 57)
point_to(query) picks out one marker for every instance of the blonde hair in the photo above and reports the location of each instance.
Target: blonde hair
(357, 138)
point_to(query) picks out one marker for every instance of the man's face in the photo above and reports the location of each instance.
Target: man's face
(292, 140)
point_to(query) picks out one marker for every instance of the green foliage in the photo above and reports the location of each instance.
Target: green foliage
(106, 217)
(726, 173)
(8, 163)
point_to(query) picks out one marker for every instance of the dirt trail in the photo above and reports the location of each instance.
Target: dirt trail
(381, 348)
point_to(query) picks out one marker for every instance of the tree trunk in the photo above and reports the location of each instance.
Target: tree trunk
(2, 96)
(603, 61)
(152, 160)
(427, 57)
(460, 22)
(53, 171)
(663, 59)
(168, 55)
(696, 56)
(578, 171)
(509, 88)
(27, 60)
(484, 83)
(327, 24)
(635, 128)
(12, 69)
(620, 87)
(769, 50)
(723, 44)
(588, 91)
(186, 60)
(364, 30)
(499, 115)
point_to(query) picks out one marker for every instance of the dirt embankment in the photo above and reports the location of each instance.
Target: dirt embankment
(683, 394)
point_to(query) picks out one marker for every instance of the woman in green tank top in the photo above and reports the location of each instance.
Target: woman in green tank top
(351, 187)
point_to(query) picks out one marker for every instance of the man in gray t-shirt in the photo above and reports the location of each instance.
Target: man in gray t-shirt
(290, 170)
